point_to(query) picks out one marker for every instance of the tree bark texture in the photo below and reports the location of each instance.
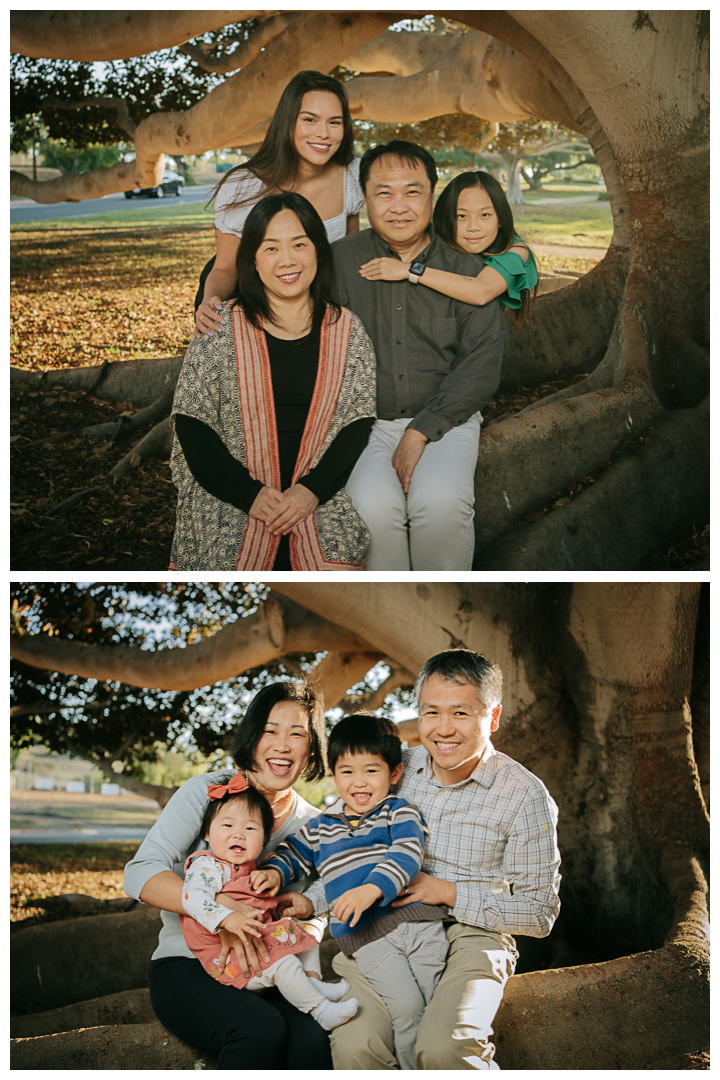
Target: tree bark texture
(110, 35)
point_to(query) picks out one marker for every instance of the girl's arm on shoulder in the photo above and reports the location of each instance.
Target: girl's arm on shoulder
(487, 286)
(470, 290)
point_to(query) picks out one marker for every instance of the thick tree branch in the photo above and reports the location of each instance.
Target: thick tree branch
(497, 83)
(339, 670)
(74, 188)
(314, 40)
(244, 53)
(277, 627)
(399, 676)
(402, 53)
(111, 35)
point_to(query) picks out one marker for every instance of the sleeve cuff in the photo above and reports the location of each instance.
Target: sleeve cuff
(385, 885)
(316, 893)
(431, 425)
(469, 907)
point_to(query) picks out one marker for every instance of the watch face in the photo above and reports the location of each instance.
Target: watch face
(417, 268)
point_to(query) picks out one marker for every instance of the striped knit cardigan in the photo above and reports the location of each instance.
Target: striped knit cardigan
(225, 382)
(386, 848)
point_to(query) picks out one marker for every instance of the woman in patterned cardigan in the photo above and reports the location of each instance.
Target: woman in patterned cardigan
(272, 412)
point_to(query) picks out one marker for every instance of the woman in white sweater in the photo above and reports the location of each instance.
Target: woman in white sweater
(281, 738)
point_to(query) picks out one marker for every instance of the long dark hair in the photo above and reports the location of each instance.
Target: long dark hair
(445, 223)
(250, 729)
(276, 162)
(254, 299)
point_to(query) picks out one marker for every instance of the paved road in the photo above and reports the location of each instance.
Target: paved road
(27, 210)
(76, 836)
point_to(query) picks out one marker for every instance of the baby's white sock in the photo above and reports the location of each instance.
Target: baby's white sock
(332, 991)
(331, 1014)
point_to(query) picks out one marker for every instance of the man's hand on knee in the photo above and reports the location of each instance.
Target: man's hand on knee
(407, 454)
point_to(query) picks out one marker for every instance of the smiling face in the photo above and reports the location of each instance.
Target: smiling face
(319, 127)
(236, 833)
(286, 260)
(454, 727)
(283, 750)
(363, 780)
(399, 202)
(476, 220)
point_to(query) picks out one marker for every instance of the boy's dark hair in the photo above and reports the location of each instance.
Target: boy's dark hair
(250, 729)
(398, 148)
(364, 733)
(253, 799)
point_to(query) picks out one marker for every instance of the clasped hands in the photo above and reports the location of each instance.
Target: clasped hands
(282, 510)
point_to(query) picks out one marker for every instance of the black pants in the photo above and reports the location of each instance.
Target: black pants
(242, 1029)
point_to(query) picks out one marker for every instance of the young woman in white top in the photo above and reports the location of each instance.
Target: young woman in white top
(308, 149)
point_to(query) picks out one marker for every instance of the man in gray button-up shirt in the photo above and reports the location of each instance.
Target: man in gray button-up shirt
(438, 365)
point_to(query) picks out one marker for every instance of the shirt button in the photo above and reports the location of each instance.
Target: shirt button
(399, 307)
(402, 410)
(439, 432)
(398, 342)
(401, 376)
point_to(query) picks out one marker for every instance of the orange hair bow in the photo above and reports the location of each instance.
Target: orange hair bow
(236, 784)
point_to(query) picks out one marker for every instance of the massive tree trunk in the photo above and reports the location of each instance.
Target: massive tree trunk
(597, 704)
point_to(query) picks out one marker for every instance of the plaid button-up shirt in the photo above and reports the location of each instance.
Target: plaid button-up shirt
(494, 835)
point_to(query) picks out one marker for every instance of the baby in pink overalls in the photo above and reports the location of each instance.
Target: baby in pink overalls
(237, 825)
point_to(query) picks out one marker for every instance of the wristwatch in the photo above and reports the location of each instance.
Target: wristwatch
(417, 269)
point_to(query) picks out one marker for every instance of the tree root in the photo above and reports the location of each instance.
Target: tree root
(532, 356)
(523, 461)
(140, 382)
(151, 415)
(127, 1007)
(646, 1011)
(106, 954)
(130, 1046)
(634, 510)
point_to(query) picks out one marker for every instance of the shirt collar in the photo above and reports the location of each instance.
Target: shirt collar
(483, 773)
(422, 256)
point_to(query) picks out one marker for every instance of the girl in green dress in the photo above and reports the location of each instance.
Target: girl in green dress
(473, 214)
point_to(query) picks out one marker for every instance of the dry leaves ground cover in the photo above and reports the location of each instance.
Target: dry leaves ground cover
(41, 872)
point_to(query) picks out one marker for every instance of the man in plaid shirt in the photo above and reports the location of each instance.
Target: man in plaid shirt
(491, 856)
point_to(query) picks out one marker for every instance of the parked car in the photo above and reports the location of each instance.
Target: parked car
(172, 184)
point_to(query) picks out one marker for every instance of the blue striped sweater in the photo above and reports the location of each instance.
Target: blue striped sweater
(386, 848)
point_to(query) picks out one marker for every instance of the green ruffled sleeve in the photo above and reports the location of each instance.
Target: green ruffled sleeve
(518, 274)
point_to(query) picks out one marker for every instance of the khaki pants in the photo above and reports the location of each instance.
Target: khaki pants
(455, 1030)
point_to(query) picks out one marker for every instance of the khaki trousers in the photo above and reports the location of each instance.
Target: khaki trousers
(455, 1030)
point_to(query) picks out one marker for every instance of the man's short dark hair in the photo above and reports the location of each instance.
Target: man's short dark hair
(365, 733)
(253, 799)
(398, 148)
(465, 666)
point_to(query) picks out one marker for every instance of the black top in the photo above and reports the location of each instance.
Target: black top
(293, 366)
(438, 359)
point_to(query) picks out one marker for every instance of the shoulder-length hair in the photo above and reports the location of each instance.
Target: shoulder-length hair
(445, 222)
(276, 162)
(251, 727)
(253, 298)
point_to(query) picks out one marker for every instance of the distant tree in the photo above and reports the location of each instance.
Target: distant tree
(522, 141)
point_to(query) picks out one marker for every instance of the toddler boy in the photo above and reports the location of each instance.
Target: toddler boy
(367, 847)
